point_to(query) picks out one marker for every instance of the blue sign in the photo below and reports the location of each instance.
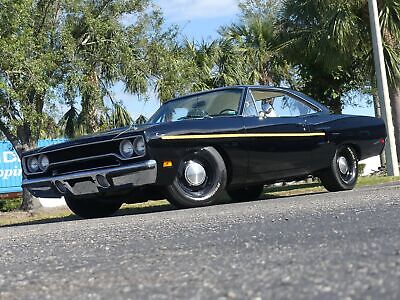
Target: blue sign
(10, 166)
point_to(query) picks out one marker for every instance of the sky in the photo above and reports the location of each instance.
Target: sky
(197, 19)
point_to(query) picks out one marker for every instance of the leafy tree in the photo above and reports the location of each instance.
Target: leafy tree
(330, 43)
(101, 50)
(29, 68)
(219, 63)
(256, 39)
(244, 54)
(191, 66)
(71, 52)
(325, 43)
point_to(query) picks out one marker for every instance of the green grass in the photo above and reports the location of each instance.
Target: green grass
(10, 216)
(7, 205)
(373, 180)
(304, 188)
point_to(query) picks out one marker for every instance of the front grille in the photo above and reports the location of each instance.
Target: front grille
(75, 157)
(86, 151)
(85, 165)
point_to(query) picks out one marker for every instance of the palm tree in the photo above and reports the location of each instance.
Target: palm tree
(215, 64)
(329, 41)
(73, 122)
(324, 41)
(256, 36)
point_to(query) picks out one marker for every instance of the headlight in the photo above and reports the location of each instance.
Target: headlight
(33, 164)
(126, 149)
(139, 146)
(43, 162)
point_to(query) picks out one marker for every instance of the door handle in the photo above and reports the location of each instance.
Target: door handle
(303, 126)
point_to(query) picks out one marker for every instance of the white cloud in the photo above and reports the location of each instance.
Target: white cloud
(184, 10)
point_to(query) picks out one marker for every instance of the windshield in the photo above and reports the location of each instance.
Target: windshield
(207, 105)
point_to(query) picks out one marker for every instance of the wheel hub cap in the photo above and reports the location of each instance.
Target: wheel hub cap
(343, 165)
(195, 174)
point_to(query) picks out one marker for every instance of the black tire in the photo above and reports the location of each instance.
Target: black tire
(182, 194)
(343, 172)
(92, 208)
(249, 193)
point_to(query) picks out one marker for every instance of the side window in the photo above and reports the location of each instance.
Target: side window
(286, 106)
(279, 105)
(250, 109)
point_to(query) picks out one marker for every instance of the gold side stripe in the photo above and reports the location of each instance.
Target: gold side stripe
(239, 135)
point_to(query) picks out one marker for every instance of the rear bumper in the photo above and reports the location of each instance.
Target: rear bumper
(92, 183)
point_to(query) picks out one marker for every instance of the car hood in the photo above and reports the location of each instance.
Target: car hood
(97, 137)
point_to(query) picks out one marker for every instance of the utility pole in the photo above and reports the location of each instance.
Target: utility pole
(378, 114)
(392, 163)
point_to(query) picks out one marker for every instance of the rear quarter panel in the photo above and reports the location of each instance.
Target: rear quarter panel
(363, 133)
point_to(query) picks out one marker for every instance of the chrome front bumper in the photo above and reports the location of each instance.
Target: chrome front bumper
(87, 183)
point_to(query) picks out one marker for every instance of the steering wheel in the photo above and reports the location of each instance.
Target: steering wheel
(195, 115)
(227, 111)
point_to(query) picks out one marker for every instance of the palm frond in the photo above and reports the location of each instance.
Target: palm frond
(69, 122)
(120, 117)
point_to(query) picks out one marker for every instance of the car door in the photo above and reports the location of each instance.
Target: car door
(324, 149)
(280, 141)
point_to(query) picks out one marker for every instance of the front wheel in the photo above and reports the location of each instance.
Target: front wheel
(92, 208)
(200, 180)
(342, 174)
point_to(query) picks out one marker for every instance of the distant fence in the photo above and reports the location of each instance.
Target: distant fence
(10, 166)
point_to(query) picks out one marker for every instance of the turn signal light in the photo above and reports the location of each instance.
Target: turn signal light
(167, 164)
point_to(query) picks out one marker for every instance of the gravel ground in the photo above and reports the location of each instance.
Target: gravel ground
(322, 246)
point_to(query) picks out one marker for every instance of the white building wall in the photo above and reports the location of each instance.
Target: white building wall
(371, 165)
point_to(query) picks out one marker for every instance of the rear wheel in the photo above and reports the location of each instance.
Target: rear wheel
(343, 172)
(92, 208)
(249, 193)
(201, 178)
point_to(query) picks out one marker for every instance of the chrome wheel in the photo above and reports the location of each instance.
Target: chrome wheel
(343, 172)
(196, 178)
(200, 179)
(347, 165)
(195, 174)
(343, 165)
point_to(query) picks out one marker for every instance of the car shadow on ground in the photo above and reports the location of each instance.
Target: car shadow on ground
(122, 212)
(128, 211)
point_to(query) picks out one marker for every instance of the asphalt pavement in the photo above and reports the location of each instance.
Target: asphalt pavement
(324, 246)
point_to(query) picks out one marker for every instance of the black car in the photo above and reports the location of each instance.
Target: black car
(234, 139)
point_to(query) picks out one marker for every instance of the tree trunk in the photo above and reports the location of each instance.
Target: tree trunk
(29, 202)
(395, 103)
(336, 105)
(378, 114)
(91, 101)
(377, 106)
